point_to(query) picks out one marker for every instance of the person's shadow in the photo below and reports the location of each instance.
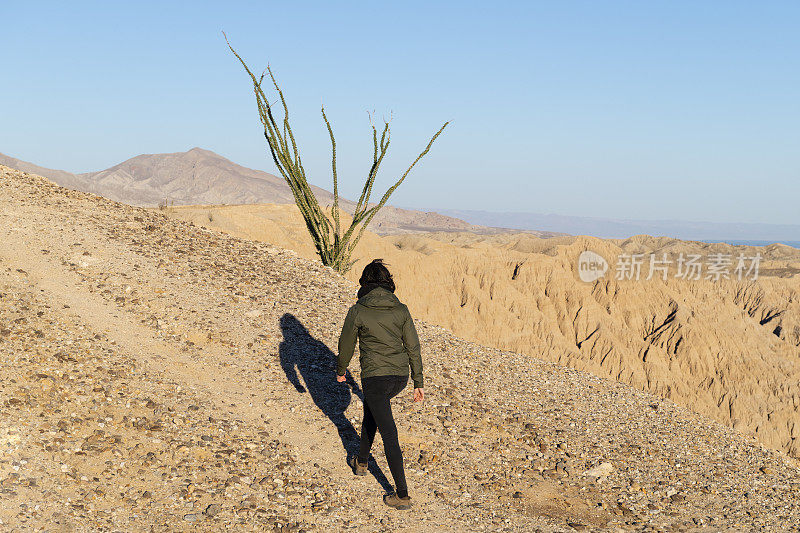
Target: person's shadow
(299, 351)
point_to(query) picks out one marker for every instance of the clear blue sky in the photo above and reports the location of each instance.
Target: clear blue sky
(655, 110)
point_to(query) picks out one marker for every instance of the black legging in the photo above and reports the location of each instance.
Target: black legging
(378, 390)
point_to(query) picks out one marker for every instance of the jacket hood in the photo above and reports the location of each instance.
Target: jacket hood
(379, 298)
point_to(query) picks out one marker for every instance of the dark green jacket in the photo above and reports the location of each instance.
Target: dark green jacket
(388, 340)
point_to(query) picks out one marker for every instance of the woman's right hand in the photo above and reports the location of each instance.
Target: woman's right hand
(419, 395)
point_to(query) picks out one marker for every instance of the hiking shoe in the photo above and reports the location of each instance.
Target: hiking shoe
(358, 468)
(393, 500)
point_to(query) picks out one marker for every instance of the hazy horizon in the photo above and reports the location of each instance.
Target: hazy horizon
(731, 232)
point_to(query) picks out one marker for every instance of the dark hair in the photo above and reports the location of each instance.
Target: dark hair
(376, 272)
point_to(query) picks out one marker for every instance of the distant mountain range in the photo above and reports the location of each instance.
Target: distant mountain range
(185, 178)
(199, 177)
(202, 177)
(611, 228)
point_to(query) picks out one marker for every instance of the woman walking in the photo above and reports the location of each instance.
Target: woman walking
(388, 345)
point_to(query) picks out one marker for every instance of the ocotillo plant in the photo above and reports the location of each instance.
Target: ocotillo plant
(334, 247)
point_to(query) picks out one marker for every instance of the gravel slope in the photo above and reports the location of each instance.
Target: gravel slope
(156, 375)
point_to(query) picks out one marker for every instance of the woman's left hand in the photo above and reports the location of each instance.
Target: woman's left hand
(341, 379)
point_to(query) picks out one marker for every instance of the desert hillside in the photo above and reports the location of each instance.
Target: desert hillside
(728, 349)
(200, 176)
(160, 376)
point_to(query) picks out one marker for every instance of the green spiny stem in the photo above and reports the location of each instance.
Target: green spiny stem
(334, 248)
